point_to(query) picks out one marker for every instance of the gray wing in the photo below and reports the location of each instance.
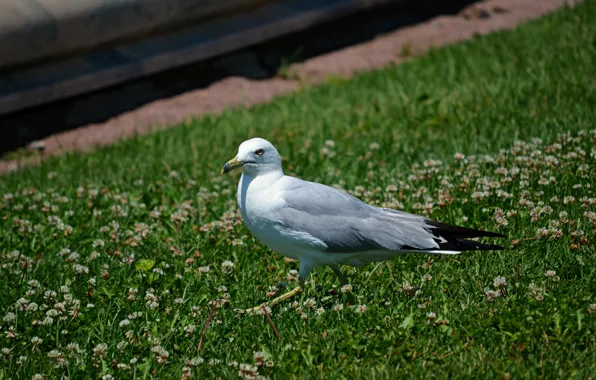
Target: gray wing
(346, 224)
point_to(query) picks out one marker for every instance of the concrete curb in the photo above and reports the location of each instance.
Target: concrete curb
(58, 79)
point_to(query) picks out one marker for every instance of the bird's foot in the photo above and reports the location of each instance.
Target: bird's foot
(277, 300)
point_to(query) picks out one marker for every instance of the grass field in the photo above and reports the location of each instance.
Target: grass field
(110, 262)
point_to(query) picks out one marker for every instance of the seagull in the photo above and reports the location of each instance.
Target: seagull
(321, 226)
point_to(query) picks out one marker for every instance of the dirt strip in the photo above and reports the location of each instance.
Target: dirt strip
(481, 18)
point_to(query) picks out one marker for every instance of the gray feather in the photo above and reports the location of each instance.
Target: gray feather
(346, 224)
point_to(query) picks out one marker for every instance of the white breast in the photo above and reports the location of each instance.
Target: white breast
(258, 199)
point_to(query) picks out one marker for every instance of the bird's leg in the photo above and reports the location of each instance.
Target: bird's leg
(304, 269)
(277, 300)
(342, 279)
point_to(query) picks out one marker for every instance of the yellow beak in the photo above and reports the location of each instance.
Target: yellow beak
(231, 165)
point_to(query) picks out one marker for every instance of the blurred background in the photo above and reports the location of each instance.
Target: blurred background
(66, 64)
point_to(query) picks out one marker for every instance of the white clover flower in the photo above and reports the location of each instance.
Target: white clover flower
(197, 361)
(80, 269)
(536, 292)
(179, 216)
(310, 303)
(459, 156)
(54, 354)
(431, 316)
(227, 266)
(21, 304)
(292, 275)
(98, 243)
(247, 370)
(190, 329)
(500, 282)
(361, 309)
(36, 341)
(478, 195)
(551, 275)
(345, 289)
(123, 367)
(374, 146)
(491, 294)
(259, 356)
(74, 347)
(100, 350)
(406, 287)
(52, 313)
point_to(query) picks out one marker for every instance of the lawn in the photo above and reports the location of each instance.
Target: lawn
(111, 261)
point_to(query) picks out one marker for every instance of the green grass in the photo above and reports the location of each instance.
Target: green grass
(519, 105)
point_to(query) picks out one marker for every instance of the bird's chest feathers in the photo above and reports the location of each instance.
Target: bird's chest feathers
(258, 202)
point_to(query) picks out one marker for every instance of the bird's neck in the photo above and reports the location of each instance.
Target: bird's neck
(260, 180)
(256, 184)
(266, 172)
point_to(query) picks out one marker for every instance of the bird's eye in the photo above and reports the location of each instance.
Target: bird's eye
(259, 152)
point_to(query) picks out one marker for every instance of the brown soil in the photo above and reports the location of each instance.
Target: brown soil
(480, 18)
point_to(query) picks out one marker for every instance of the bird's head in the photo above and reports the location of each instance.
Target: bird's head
(255, 156)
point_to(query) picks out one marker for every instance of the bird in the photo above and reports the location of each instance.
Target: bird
(319, 225)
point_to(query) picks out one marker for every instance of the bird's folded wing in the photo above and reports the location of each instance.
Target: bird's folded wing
(345, 224)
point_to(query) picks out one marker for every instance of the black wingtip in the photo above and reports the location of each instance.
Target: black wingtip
(457, 238)
(460, 245)
(471, 245)
(457, 232)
